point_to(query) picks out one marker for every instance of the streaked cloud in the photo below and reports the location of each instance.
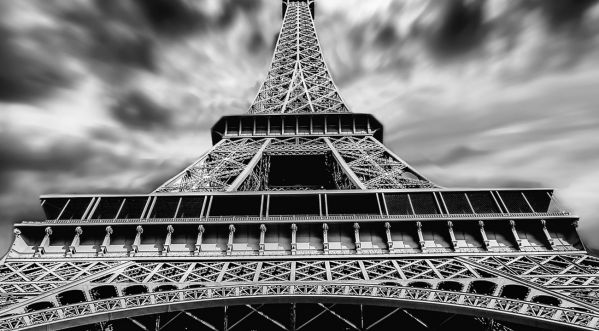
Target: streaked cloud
(118, 95)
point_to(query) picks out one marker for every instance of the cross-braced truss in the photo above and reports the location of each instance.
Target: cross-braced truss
(298, 80)
(244, 164)
(376, 167)
(216, 170)
(474, 281)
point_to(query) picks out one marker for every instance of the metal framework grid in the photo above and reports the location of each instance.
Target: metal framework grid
(509, 259)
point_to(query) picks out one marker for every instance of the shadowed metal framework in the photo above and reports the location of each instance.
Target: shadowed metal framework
(299, 217)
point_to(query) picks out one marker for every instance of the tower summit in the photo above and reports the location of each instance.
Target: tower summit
(299, 217)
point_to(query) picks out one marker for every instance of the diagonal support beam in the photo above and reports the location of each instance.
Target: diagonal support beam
(313, 318)
(383, 318)
(210, 326)
(275, 322)
(415, 318)
(138, 323)
(169, 321)
(191, 166)
(243, 318)
(352, 176)
(340, 317)
(249, 167)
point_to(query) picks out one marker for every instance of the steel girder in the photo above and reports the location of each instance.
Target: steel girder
(324, 280)
(244, 294)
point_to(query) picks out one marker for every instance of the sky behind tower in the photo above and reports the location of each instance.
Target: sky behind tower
(107, 96)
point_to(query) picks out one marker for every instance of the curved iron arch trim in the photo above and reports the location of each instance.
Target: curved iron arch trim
(526, 313)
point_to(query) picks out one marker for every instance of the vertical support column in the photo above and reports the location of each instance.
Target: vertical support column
(145, 214)
(230, 242)
(258, 271)
(389, 239)
(361, 314)
(386, 209)
(454, 242)
(357, 237)
(442, 209)
(167, 242)
(225, 319)
(483, 233)
(106, 242)
(325, 238)
(177, 209)
(470, 203)
(547, 235)
(137, 241)
(76, 241)
(93, 209)
(515, 234)
(293, 239)
(420, 236)
(293, 268)
(63, 209)
(92, 202)
(41, 249)
(198, 247)
(292, 317)
(320, 205)
(120, 208)
(499, 201)
(262, 233)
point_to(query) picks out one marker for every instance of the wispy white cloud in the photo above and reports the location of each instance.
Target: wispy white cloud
(119, 95)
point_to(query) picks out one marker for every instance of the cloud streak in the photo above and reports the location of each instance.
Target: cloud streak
(116, 96)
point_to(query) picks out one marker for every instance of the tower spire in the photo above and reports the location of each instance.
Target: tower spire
(298, 80)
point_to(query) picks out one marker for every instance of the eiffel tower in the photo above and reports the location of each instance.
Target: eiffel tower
(299, 218)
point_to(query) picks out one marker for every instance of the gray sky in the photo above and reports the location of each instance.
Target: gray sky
(118, 95)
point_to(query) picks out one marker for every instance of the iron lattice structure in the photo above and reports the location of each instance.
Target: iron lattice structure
(298, 217)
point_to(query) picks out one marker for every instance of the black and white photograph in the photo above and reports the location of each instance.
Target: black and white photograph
(290, 165)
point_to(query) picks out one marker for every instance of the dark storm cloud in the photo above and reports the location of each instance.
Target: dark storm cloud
(76, 157)
(137, 110)
(385, 35)
(64, 156)
(26, 75)
(172, 16)
(458, 28)
(179, 17)
(561, 13)
(256, 43)
(110, 32)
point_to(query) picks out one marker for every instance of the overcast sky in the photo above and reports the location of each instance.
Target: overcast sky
(118, 95)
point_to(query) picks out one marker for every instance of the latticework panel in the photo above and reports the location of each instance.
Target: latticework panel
(298, 80)
(217, 170)
(375, 166)
(556, 271)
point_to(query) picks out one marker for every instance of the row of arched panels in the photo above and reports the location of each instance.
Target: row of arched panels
(485, 287)
(443, 298)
